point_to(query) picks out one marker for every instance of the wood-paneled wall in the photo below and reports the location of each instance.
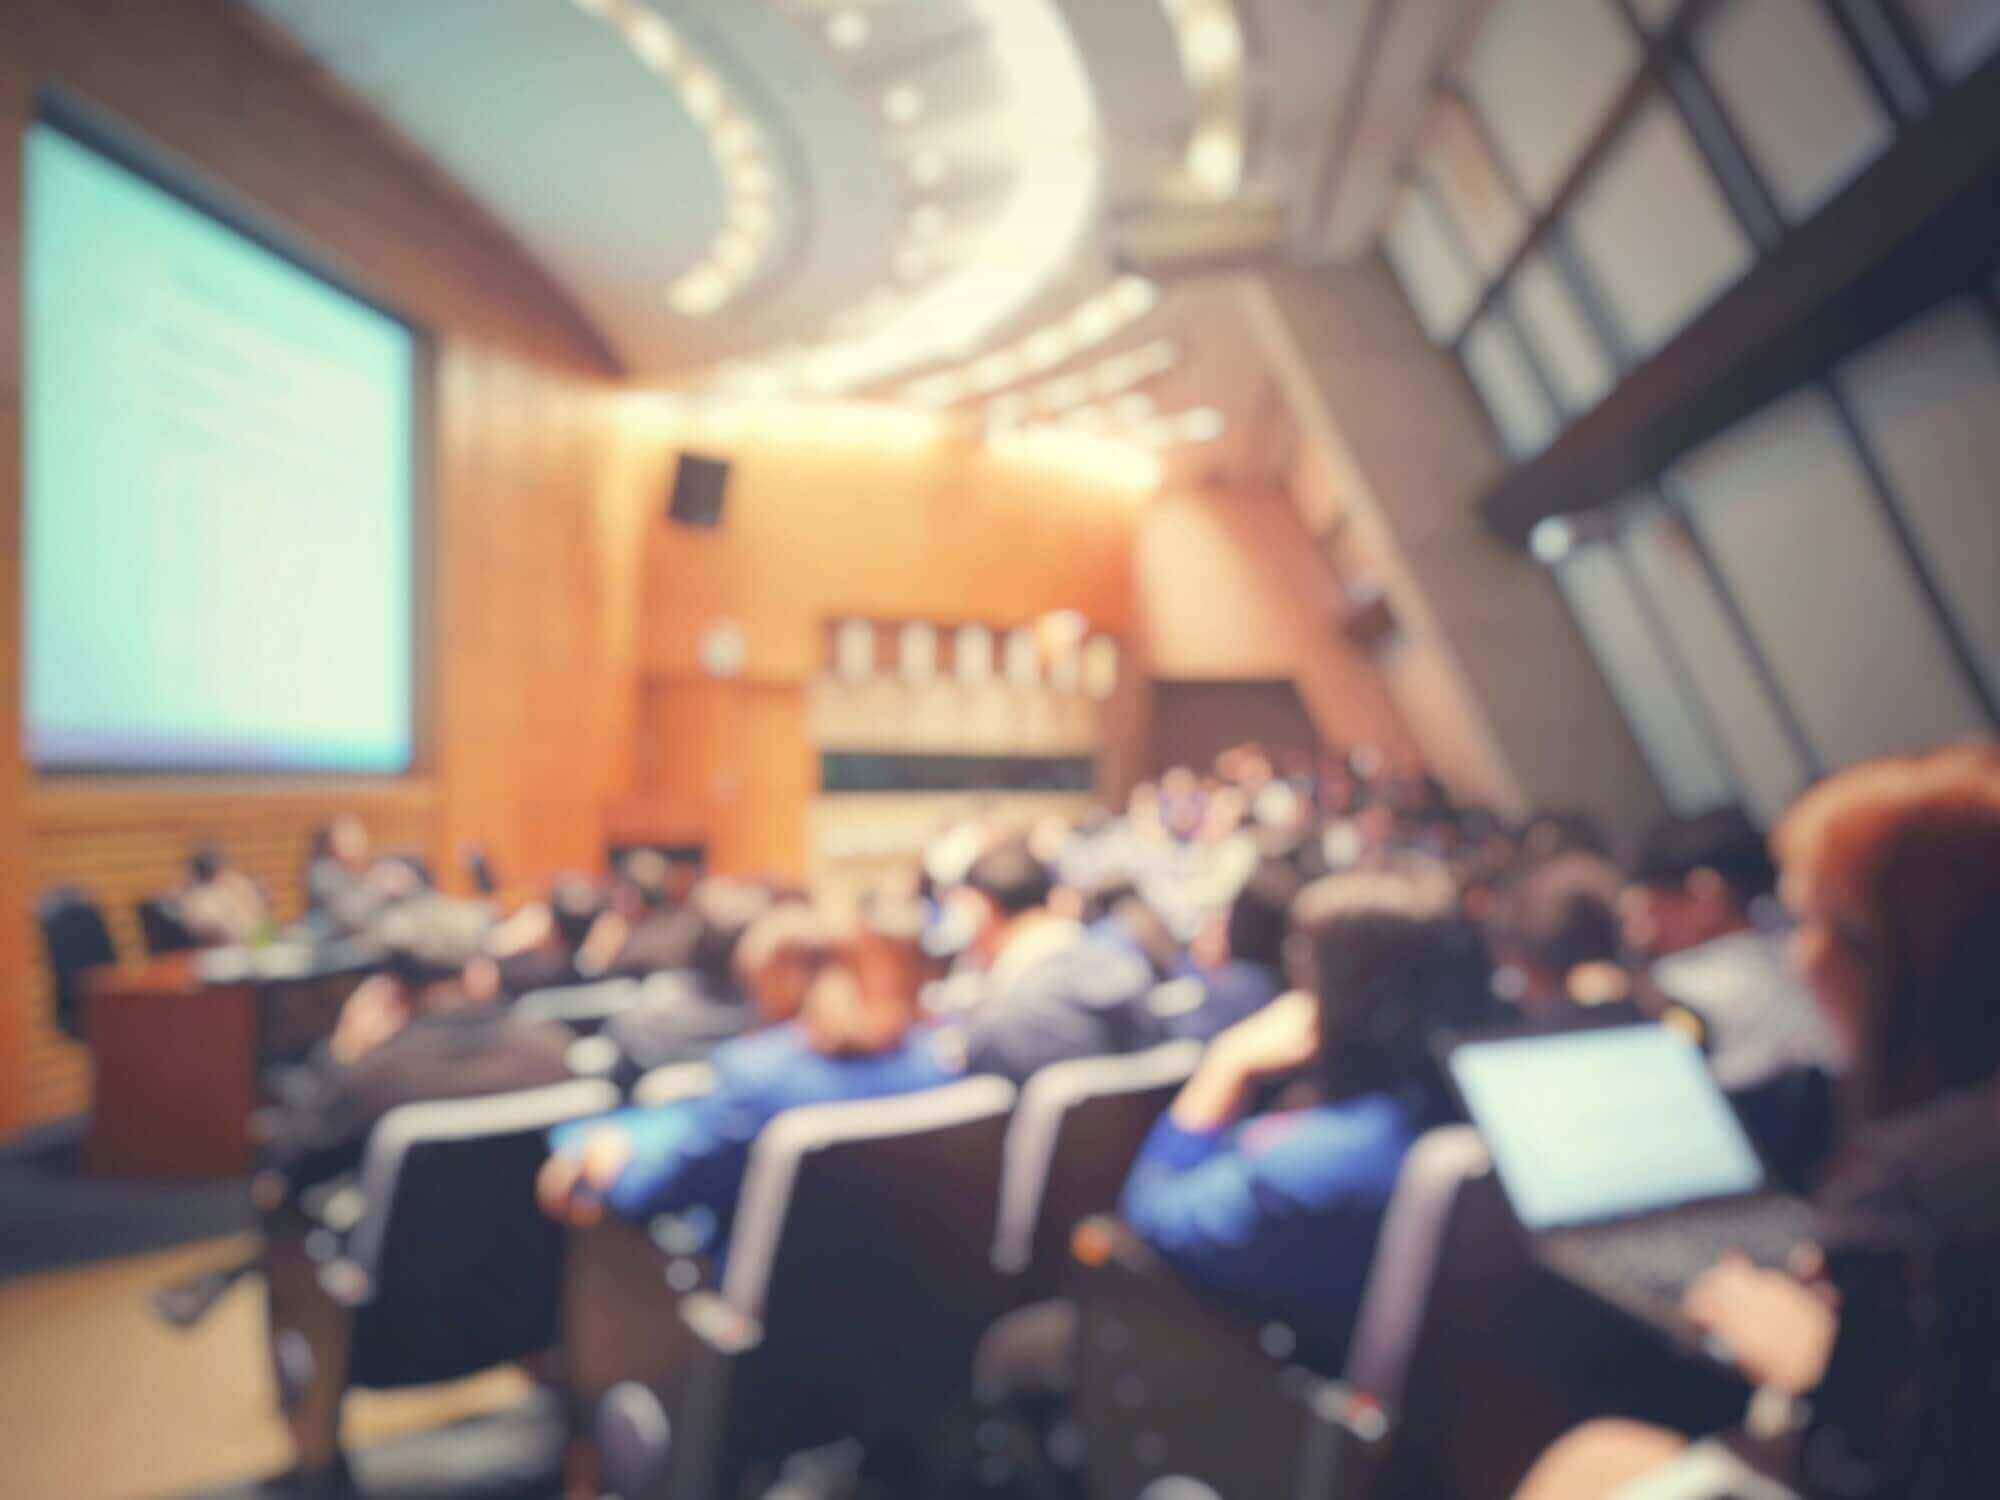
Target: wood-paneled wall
(827, 516)
(527, 477)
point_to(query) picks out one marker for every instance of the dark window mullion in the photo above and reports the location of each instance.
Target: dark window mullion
(1739, 625)
(1899, 524)
(1663, 640)
(1721, 146)
(1890, 53)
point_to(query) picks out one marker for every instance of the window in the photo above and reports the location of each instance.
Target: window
(1928, 400)
(1797, 96)
(1643, 680)
(1788, 514)
(1459, 167)
(1698, 628)
(1434, 276)
(1544, 74)
(1654, 231)
(1499, 368)
(1960, 32)
(1570, 352)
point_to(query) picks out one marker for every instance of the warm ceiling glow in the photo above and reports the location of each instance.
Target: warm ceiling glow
(743, 242)
(847, 29)
(928, 167)
(1092, 321)
(1210, 37)
(1081, 454)
(903, 104)
(1107, 378)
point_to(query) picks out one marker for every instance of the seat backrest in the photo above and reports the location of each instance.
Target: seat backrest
(584, 1008)
(1406, 1257)
(1070, 1146)
(861, 1245)
(75, 939)
(161, 926)
(462, 1269)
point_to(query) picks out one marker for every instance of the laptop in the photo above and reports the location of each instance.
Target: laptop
(1623, 1160)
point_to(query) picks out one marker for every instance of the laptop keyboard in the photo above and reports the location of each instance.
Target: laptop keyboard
(1662, 1255)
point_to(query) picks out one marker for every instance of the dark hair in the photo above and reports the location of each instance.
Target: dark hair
(574, 903)
(1547, 834)
(1394, 966)
(1563, 911)
(1009, 875)
(1148, 932)
(725, 909)
(1725, 841)
(205, 863)
(1259, 916)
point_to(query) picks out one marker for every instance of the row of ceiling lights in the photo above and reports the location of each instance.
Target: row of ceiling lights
(749, 220)
(1132, 417)
(1087, 325)
(1108, 377)
(1210, 39)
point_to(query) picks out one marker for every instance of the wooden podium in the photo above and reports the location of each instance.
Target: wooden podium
(176, 1060)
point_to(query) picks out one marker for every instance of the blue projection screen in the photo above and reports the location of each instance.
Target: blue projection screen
(219, 491)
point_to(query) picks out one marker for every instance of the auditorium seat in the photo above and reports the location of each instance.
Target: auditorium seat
(858, 1280)
(1172, 1384)
(584, 1008)
(75, 940)
(433, 1264)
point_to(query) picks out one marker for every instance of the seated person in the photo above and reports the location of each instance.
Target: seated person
(1889, 1325)
(428, 1028)
(1235, 966)
(346, 890)
(682, 1016)
(857, 1037)
(1043, 989)
(220, 904)
(1557, 937)
(1281, 1212)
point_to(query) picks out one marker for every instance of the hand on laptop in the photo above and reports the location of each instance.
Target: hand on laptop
(1778, 1329)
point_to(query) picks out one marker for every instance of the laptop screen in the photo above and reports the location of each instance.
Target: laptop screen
(1590, 1125)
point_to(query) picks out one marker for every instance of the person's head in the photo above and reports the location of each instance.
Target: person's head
(1548, 834)
(1394, 965)
(1560, 916)
(1009, 880)
(1254, 928)
(863, 1000)
(645, 879)
(778, 958)
(346, 839)
(1893, 871)
(724, 909)
(574, 903)
(434, 968)
(205, 864)
(1696, 879)
(1146, 930)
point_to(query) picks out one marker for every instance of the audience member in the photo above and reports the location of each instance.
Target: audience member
(1281, 1212)
(219, 903)
(1558, 936)
(857, 1037)
(1235, 966)
(1888, 1325)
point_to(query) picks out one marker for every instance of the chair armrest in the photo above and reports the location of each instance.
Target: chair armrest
(724, 1328)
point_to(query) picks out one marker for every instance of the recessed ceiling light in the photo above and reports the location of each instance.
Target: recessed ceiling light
(1065, 392)
(1215, 160)
(734, 251)
(927, 221)
(1134, 296)
(1134, 408)
(928, 166)
(752, 216)
(700, 292)
(653, 42)
(734, 139)
(701, 94)
(847, 29)
(1049, 347)
(1202, 425)
(903, 104)
(749, 179)
(1212, 45)
(995, 370)
(1094, 321)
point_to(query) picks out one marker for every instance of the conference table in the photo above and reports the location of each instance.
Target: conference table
(181, 1043)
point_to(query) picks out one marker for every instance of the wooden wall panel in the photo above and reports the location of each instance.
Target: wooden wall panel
(526, 470)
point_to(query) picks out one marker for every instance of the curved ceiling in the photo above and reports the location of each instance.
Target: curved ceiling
(929, 200)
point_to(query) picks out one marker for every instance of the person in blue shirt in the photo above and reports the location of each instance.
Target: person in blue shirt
(1279, 1212)
(856, 1037)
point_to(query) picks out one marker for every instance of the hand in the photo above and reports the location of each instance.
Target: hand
(1778, 1329)
(572, 1184)
(1284, 1035)
(373, 1013)
(1281, 1037)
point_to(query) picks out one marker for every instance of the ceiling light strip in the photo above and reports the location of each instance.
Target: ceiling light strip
(1097, 318)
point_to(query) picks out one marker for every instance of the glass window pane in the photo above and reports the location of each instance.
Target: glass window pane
(1554, 325)
(1498, 367)
(1434, 275)
(1767, 763)
(1655, 231)
(1643, 680)
(1787, 512)
(1960, 32)
(1544, 74)
(1461, 169)
(1797, 96)
(1928, 399)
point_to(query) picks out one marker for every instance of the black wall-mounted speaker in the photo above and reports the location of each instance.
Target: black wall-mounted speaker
(700, 485)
